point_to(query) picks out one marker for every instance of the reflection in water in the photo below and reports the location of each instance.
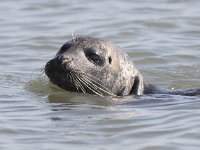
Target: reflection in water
(161, 37)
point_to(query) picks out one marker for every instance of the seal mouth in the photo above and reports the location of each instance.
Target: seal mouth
(74, 80)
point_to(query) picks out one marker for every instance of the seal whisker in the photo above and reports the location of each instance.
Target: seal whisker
(88, 75)
(79, 83)
(70, 78)
(90, 87)
(74, 81)
(96, 80)
(94, 85)
(102, 86)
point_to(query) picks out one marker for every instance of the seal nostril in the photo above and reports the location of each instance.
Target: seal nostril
(63, 60)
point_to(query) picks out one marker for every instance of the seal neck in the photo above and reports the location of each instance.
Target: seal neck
(138, 85)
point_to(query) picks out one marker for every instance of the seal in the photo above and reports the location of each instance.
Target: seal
(91, 65)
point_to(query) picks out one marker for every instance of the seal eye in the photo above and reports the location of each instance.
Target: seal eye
(65, 47)
(93, 57)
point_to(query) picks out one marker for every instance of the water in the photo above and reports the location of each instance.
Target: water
(162, 38)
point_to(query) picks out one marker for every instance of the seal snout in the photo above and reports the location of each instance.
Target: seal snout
(58, 64)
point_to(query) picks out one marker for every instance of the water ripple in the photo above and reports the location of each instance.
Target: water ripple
(161, 37)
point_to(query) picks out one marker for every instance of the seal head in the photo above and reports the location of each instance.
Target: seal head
(91, 65)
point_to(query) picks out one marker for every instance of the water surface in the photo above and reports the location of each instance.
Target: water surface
(161, 37)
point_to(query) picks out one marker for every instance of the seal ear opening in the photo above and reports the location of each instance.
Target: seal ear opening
(138, 85)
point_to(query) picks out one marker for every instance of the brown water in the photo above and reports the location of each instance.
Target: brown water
(161, 36)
